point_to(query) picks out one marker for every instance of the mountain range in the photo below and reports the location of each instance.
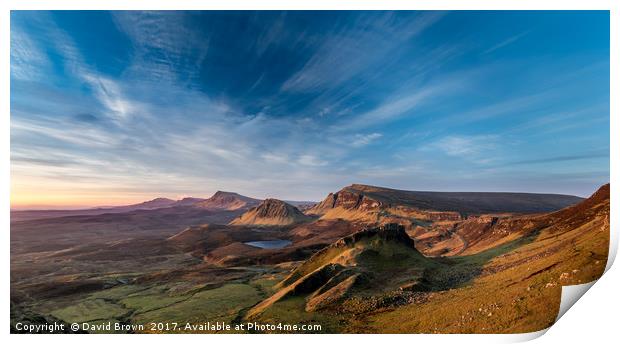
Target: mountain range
(365, 259)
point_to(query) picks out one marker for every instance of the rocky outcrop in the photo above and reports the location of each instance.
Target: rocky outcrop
(272, 212)
(368, 260)
(389, 232)
(347, 200)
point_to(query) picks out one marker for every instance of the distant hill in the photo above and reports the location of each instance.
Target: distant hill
(302, 205)
(271, 212)
(220, 201)
(368, 198)
(148, 205)
(187, 201)
(157, 203)
(223, 200)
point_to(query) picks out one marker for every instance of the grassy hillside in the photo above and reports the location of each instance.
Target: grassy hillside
(509, 288)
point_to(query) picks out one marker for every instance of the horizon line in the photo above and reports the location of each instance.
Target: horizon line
(104, 205)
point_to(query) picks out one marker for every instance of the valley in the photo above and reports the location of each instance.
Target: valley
(366, 259)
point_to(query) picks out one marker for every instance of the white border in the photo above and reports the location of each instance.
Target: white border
(592, 320)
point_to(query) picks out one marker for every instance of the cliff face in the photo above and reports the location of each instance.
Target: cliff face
(369, 204)
(271, 212)
(345, 199)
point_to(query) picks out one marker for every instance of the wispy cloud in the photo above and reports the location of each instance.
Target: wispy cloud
(311, 160)
(401, 104)
(598, 154)
(506, 42)
(548, 123)
(351, 51)
(360, 140)
(466, 146)
(111, 96)
(28, 61)
(392, 108)
(289, 105)
(107, 91)
(503, 107)
(165, 47)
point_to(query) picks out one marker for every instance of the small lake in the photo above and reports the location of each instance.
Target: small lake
(269, 244)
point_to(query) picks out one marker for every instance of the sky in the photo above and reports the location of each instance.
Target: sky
(119, 107)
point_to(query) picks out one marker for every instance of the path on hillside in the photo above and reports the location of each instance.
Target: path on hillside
(460, 237)
(465, 244)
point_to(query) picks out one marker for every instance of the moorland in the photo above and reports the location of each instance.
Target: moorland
(365, 259)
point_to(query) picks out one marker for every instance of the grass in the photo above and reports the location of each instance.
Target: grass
(90, 310)
(519, 293)
(142, 303)
(178, 301)
(117, 293)
(266, 284)
(291, 311)
(163, 303)
(220, 304)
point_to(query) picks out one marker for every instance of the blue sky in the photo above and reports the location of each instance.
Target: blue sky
(111, 107)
